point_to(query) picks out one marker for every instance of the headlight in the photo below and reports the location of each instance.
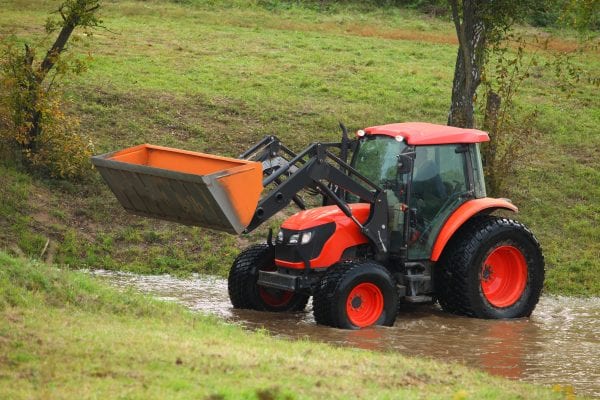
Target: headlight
(306, 236)
(294, 238)
(280, 237)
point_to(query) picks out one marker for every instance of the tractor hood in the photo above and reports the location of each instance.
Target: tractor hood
(322, 215)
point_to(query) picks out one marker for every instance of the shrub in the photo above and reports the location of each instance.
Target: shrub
(31, 108)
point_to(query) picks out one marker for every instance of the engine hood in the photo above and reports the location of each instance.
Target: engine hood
(322, 215)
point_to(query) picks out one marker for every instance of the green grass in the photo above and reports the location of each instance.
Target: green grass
(68, 336)
(216, 76)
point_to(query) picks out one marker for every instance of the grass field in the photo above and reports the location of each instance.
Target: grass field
(216, 76)
(67, 336)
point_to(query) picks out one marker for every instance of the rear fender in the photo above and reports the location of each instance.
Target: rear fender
(462, 214)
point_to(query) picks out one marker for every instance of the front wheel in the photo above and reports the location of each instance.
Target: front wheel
(244, 292)
(492, 268)
(356, 295)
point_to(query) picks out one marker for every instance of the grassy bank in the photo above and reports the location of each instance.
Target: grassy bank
(64, 335)
(218, 76)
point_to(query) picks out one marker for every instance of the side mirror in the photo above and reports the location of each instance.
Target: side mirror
(404, 163)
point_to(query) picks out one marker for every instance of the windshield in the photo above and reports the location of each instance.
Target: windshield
(377, 159)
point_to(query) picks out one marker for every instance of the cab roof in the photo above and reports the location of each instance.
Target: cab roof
(422, 133)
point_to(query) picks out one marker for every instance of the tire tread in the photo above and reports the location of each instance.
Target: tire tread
(325, 297)
(452, 274)
(241, 282)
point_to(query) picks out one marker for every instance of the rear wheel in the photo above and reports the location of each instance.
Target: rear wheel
(492, 268)
(356, 295)
(244, 291)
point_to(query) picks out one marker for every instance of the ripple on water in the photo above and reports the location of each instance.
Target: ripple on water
(560, 343)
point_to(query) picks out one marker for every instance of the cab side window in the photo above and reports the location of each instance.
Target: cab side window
(439, 183)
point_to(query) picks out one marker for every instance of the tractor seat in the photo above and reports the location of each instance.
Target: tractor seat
(427, 182)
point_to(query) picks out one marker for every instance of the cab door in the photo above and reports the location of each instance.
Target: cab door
(377, 159)
(440, 183)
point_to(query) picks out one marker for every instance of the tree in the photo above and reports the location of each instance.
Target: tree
(478, 23)
(501, 60)
(27, 93)
(74, 13)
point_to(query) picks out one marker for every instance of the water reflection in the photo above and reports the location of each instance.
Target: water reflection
(504, 351)
(559, 344)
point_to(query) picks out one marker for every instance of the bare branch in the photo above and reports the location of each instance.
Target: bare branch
(62, 14)
(456, 19)
(28, 56)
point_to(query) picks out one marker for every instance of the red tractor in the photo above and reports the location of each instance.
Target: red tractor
(404, 218)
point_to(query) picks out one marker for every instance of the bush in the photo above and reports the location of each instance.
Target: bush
(31, 107)
(60, 150)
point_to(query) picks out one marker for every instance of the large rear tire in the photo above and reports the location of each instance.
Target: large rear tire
(492, 268)
(244, 291)
(356, 295)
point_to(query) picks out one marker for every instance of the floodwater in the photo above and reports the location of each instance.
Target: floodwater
(559, 344)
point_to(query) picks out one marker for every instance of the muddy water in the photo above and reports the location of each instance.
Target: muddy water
(559, 344)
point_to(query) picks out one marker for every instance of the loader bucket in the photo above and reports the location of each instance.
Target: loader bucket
(191, 188)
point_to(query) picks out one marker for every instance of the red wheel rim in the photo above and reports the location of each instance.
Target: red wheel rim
(364, 305)
(504, 276)
(275, 297)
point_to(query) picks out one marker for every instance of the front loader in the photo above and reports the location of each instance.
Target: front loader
(404, 218)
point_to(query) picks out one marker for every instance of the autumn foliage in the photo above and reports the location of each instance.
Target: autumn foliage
(32, 117)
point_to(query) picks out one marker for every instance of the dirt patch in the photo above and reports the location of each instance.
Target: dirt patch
(52, 212)
(553, 43)
(588, 155)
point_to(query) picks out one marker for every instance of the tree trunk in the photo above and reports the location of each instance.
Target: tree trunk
(52, 55)
(55, 50)
(492, 108)
(489, 149)
(470, 31)
(463, 93)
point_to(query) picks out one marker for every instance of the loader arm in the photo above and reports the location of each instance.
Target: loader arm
(317, 168)
(224, 193)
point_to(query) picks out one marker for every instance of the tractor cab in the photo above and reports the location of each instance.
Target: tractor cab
(424, 180)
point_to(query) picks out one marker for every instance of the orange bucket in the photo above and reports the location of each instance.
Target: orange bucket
(183, 186)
